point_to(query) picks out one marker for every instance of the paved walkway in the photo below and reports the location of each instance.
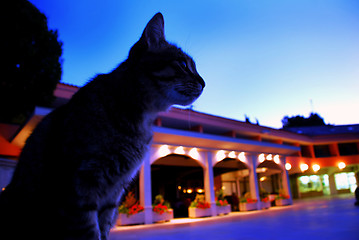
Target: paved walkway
(323, 218)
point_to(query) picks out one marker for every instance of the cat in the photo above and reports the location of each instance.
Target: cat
(77, 162)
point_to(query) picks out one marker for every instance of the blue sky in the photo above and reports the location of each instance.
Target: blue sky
(264, 59)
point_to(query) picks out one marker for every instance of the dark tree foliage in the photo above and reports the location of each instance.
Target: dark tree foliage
(31, 64)
(299, 121)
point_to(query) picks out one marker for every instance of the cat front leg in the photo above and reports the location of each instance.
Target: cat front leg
(106, 219)
(80, 224)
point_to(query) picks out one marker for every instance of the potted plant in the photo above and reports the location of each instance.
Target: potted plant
(221, 203)
(247, 203)
(282, 199)
(161, 210)
(199, 207)
(265, 203)
(130, 211)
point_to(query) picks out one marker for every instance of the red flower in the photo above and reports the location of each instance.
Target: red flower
(136, 208)
(160, 208)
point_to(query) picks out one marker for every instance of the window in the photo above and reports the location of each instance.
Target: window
(322, 151)
(310, 183)
(345, 181)
(346, 149)
(305, 150)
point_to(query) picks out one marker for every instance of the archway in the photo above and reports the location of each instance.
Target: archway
(178, 178)
(232, 177)
(269, 178)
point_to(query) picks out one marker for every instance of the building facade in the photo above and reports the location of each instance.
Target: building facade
(196, 153)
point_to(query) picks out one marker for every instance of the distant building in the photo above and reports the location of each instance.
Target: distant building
(194, 152)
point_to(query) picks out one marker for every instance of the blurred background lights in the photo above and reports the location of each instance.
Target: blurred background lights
(316, 167)
(288, 166)
(341, 165)
(269, 157)
(193, 153)
(276, 159)
(164, 150)
(180, 150)
(303, 167)
(261, 157)
(242, 157)
(232, 154)
(220, 155)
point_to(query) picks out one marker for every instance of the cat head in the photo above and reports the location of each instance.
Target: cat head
(170, 71)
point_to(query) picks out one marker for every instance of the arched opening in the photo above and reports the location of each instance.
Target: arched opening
(269, 178)
(231, 176)
(178, 178)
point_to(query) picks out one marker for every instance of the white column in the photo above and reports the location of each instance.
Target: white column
(253, 180)
(285, 180)
(209, 183)
(145, 188)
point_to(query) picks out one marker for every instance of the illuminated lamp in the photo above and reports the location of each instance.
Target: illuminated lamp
(193, 153)
(276, 159)
(220, 155)
(189, 190)
(200, 190)
(164, 150)
(315, 167)
(303, 167)
(262, 179)
(261, 157)
(341, 165)
(180, 150)
(269, 157)
(232, 154)
(242, 157)
(288, 166)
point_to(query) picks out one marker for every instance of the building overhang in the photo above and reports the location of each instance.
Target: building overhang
(208, 141)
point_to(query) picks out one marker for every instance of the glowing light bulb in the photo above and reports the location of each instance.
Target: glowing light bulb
(164, 150)
(193, 153)
(261, 157)
(341, 165)
(269, 157)
(180, 150)
(288, 166)
(303, 167)
(276, 159)
(242, 157)
(232, 154)
(315, 167)
(220, 155)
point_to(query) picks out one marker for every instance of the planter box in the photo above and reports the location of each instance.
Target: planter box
(138, 218)
(247, 206)
(164, 217)
(223, 209)
(265, 205)
(282, 202)
(199, 212)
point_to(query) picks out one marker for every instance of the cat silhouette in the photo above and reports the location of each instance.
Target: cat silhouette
(75, 165)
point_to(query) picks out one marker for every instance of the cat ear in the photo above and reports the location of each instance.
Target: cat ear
(154, 33)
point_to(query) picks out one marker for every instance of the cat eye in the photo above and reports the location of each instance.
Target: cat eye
(183, 63)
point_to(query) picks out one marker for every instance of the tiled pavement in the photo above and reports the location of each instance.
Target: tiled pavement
(322, 218)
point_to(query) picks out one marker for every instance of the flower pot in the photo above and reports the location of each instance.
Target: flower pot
(283, 202)
(164, 217)
(199, 212)
(124, 219)
(223, 209)
(247, 206)
(265, 205)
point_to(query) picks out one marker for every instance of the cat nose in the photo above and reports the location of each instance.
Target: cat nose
(201, 81)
